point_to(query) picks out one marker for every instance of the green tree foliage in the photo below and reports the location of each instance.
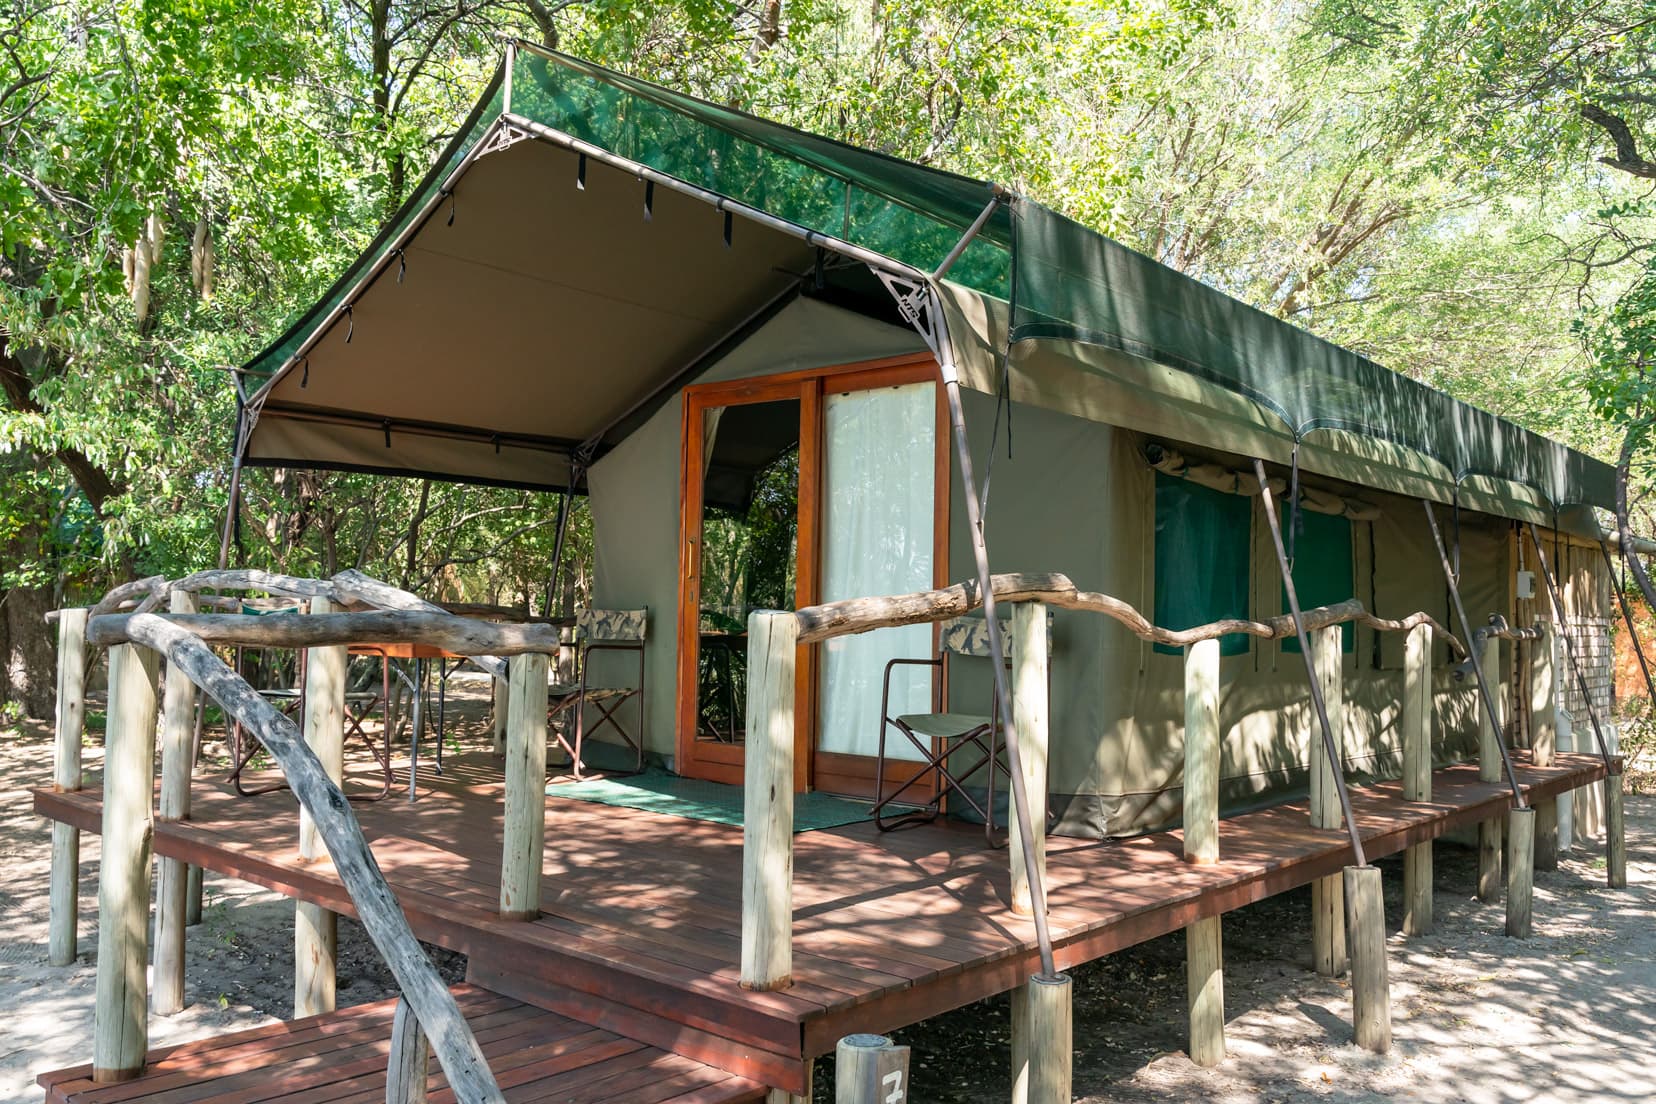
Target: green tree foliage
(1450, 187)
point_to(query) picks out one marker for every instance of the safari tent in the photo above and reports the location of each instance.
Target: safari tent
(823, 404)
(602, 278)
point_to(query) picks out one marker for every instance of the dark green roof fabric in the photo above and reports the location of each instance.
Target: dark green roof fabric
(1065, 281)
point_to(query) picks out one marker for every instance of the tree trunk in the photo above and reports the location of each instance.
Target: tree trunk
(1624, 530)
(29, 649)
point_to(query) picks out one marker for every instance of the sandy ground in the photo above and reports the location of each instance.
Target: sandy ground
(239, 961)
(1567, 1016)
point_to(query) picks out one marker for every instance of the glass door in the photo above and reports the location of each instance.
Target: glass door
(800, 489)
(748, 451)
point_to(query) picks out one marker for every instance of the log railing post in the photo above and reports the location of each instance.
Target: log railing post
(1490, 735)
(502, 709)
(1615, 832)
(1043, 1067)
(1030, 663)
(1544, 738)
(868, 1069)
(768, 802)
(1370, 974)
(120, 1035)
(407, 1072)
(1417, 774)
(525, 829)
(173, 876)
(1204, 955)
(1520, 864)
(1328, 914)
(316, 929)
(66, 778)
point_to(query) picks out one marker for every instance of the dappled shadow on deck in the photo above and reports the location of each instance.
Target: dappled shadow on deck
(642, 911)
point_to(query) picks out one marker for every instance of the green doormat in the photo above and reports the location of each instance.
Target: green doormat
(656, 791)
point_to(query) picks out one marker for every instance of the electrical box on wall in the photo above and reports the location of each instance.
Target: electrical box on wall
(1526, 584)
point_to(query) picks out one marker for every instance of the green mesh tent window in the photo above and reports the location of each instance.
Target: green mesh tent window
(1323, 569)
(1202, 542)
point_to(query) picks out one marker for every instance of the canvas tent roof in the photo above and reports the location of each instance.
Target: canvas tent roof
(588, 239)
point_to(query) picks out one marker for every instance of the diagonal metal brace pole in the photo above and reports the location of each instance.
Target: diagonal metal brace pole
(1627, 618)
(1569, 647)
(1333, 752)
(922, 309)
(1484, 692)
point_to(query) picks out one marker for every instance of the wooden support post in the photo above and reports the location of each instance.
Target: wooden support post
(1546, 833)
(1490, 731)
(1543, 655)
(173, 877)
(502, 707)
(868, 1069)
(192, 898)
(1417, 774)
(1204, 957)
(1201, 752)
(1615, 832)
(1543, 697)
(525, 832)
(1030, 658)
(66, 778)
(407, 1072)
(1370, 977)
(120, 1034)
(1490, 848)
(1205, 989)
(1490, 735)
(1566, 802)
(1328, 934)
(1520, 870)
(316, 929)
(768, 802)
(1044, 1052)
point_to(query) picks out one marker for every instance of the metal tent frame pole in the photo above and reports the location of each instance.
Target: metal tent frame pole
(922, 308)
(1335, 764)
(1484, 693)
(1569, 646)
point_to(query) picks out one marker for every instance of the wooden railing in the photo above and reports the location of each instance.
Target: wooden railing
(312, 764)
(773, 640)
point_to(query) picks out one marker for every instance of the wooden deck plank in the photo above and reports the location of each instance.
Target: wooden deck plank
(340, 1058)
(642, 911)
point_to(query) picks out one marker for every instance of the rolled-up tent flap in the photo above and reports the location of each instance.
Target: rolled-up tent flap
(1104, 384)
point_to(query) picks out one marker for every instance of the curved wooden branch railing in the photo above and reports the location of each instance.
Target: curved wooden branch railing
(350, 588)
(460, 635)
(860, 615)
(185, 641)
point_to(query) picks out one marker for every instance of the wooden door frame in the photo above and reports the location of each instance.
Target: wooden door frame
(723, 762)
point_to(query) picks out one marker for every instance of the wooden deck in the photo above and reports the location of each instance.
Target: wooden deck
(640, 932)
(340, 1058)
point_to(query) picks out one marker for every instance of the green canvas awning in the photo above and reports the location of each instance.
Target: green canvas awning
(588, 238)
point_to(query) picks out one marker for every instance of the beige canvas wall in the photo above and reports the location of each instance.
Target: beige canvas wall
(1077, 497)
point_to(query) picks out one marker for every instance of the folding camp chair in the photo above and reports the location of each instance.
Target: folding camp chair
(942, 736)
(601, 631)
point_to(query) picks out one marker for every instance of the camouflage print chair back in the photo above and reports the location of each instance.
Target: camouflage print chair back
(969, 636)
(593, 626)
(598, 631)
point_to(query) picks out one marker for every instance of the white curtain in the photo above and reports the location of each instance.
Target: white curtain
(877, 526)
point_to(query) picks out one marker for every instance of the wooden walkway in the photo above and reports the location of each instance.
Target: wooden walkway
(339, 1058)
(640, 932)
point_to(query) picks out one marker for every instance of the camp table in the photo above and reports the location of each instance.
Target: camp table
(420, 654)
(358, 706)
